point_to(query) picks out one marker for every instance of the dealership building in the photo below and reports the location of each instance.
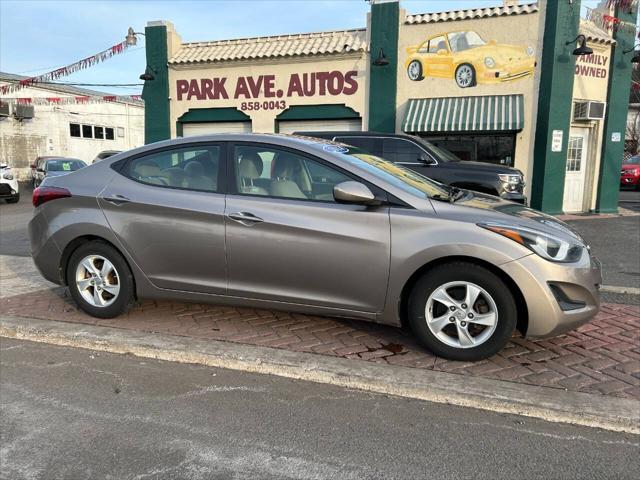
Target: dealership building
(500, 85)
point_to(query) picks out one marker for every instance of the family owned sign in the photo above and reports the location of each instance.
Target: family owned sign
(330, 83)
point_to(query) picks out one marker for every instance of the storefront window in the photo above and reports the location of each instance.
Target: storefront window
(498, 148)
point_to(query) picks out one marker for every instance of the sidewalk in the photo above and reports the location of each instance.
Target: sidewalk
(602, 357)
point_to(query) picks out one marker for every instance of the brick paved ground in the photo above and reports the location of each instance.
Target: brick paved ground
(601, 357)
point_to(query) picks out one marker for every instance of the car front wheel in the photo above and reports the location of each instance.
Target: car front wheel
(465, 76)
(462, 311)
(100, 280)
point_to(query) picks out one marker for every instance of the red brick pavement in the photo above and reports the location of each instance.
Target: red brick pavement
(601, 357)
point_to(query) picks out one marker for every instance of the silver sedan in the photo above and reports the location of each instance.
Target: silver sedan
(311, 226)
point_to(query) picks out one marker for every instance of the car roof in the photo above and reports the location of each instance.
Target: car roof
(62, 158)
(348, 133)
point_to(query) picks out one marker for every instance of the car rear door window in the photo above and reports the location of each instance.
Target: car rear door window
(191, 168)
(399, 150)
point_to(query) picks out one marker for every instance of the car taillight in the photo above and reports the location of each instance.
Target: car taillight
(44, 194)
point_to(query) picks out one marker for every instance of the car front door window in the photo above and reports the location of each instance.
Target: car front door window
(272, 172)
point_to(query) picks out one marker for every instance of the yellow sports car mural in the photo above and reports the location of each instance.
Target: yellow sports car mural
(469, 60)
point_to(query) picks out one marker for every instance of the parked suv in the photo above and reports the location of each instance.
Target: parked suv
(435, 162)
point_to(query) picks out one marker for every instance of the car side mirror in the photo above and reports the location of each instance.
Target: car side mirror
(427, 160)
(354, 192)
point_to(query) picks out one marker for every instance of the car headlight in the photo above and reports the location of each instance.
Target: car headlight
(7, 176)
(510, 178)
(489, 62)
(545, 245)
(530, 51)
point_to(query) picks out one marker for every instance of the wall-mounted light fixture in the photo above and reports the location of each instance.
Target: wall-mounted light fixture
(131, 38)
(382, 60)
(149, 74)
(636, 56)
(582, 49)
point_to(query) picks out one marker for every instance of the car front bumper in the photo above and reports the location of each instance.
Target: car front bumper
(546, 287)
(514, 197)
(629, 180)
(8, 189)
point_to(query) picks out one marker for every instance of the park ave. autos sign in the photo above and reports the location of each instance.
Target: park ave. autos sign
(330, 83)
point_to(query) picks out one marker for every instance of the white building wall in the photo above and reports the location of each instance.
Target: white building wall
(48, 132)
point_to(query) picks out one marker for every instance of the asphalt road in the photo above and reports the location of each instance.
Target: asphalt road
(73, 413)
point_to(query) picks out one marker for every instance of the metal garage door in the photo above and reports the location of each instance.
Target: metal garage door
(290, 126)
(190, 129)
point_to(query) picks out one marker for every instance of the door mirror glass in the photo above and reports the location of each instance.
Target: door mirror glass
(353, 192)
(426, 159)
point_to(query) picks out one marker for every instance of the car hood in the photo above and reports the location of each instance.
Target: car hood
(481, 167)
(481, 208)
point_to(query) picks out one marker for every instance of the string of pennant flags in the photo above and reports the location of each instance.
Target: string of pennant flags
(608, 22)
(624, 4)
(67, 70)
(84, 99)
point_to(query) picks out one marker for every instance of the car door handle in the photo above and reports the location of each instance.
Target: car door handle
(116, 199)
(245, 218)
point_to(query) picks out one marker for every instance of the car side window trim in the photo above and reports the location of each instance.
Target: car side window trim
(121, 166)
(232, 188)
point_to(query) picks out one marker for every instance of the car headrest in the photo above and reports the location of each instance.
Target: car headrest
(147, 169)
(250, 166)
(194, 169)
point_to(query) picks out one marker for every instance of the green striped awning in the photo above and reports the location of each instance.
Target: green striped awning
(464, 114)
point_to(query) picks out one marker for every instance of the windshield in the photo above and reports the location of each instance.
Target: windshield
(632, 160)
(461, 41)
(408, 180)
(64, 165)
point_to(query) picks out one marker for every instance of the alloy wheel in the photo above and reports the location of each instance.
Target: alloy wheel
(464, 76)
(414, 70)
(97, 281)
(461, 314)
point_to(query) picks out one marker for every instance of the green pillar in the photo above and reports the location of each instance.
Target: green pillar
(383, 79)
(554, 103)
(156, 92)
(615, 122)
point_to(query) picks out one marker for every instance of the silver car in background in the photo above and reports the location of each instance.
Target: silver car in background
(306, 225)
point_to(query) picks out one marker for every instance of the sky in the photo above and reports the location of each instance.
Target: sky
(37, 36)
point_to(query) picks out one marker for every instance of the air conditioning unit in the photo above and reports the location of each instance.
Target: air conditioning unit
(24, 111)
(5, 109)
(585, 111)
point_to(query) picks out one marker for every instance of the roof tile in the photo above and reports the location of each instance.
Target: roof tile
(471, 14)
(322, 43)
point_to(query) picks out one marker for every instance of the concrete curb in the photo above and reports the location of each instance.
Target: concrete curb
(616, 289)
(549, 404)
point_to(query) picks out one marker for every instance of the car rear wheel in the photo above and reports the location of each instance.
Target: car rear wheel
(465, 76)
(414, 71)
(100, 280)
(462, 311)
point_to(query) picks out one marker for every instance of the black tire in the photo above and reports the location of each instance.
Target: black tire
(474, 80)
(463, 272)
(125, 297)
(419, 75)
(14, 199)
